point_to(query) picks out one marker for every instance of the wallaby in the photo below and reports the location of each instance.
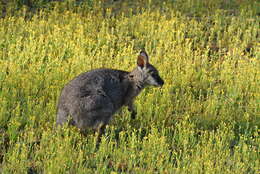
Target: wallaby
(93, 97)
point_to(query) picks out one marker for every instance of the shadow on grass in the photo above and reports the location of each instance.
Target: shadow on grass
(194, 8)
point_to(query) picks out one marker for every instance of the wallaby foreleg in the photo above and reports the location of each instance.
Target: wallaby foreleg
(100, 131)
(132, 110)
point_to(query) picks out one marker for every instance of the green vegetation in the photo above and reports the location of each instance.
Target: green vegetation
(205, 119)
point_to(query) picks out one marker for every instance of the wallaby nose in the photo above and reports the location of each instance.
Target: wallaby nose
(161, 82)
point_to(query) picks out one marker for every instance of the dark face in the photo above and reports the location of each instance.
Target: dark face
(151, 76)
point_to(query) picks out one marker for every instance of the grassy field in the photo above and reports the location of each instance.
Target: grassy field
(206, 118)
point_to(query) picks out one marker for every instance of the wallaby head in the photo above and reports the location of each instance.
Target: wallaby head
(145, 73)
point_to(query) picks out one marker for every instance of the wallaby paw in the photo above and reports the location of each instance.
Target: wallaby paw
(133, 115)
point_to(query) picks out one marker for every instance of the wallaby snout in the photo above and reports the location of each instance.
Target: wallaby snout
(159, 81)
(92, 98)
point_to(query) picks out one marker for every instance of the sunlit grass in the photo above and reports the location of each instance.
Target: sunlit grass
(205, 119)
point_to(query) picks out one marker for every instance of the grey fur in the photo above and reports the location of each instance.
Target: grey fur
(93, 97)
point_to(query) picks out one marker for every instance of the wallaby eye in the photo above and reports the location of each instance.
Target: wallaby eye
(153, 74)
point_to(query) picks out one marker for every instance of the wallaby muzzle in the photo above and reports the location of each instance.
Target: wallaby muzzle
(161, 82)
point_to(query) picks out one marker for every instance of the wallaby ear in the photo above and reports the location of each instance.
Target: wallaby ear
(142, 59)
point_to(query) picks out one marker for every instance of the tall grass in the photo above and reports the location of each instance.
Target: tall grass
(205, 119)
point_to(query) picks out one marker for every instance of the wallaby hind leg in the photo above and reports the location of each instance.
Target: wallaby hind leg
(62, 117)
